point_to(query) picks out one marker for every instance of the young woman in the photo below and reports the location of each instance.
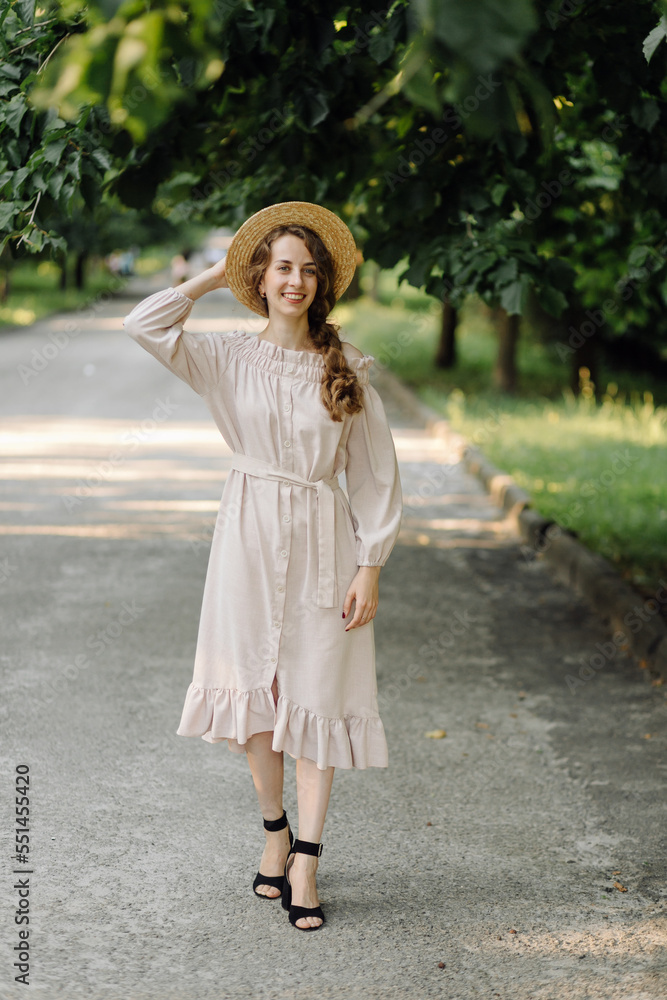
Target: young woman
(285, 656)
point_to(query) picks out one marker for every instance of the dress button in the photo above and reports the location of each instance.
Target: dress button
(286, 407)
(273, 659)
(284, 552)
(285, 482)
(289, 368)
(288, 444)
(280, 590)
(286, 517)
(276, 624)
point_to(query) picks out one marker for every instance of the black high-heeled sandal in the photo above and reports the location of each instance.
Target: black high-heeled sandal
(277, 881)
(296, 912)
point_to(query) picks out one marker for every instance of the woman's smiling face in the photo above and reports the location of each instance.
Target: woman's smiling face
(290, 279)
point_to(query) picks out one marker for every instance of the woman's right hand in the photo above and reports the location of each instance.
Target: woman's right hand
(210, 279)
(218, 273)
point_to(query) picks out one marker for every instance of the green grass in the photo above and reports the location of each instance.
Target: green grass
(598, 469)
(34, 291)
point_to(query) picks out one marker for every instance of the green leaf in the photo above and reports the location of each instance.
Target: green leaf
(35, 240)
(498, 192)
(101, 158)
(552, 300)
(316, 108)
(26, 10)
(513, 297)
(57, 243)
(646, 114)
(419, 89)
(417, 273)
(653, 39)
(638, 255)
(53, 150)
(90, 191)
(54, 123)
(14, 112)
(19, 178)
(507, 272)
(54, 185)
(10, 71)
(560, 273)
(8, 210)
(75, 165)
(381, 46)
(7, 86)
(484, 33)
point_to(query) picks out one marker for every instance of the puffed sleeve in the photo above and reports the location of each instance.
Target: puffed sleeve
(372, 477)
(156, 323)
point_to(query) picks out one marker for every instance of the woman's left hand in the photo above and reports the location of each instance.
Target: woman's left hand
(364, 590)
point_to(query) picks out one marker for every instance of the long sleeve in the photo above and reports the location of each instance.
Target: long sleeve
(373, 482)
(156, 323)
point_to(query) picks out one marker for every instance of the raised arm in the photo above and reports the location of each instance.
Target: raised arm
(156, 323)
(207, 281)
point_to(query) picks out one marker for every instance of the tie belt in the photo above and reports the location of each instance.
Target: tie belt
(326, 527)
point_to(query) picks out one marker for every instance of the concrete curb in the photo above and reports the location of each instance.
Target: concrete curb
(634, 622)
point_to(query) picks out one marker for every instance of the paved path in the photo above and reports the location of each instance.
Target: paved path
(492, 851)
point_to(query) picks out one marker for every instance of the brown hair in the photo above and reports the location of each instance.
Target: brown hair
(341, 392)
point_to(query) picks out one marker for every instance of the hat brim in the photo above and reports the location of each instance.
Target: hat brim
(333, 232)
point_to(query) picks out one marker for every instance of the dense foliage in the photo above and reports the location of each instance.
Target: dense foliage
(512, 148)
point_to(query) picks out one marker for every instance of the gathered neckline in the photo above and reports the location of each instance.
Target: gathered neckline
(313, 357)
(283, 361)
(287, 350)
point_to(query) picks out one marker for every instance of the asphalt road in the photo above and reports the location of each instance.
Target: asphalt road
(485, 863)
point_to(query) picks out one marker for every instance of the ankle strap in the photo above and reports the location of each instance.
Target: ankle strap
(276, 824)
(306, 847)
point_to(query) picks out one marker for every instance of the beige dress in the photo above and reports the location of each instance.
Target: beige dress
(286, 545)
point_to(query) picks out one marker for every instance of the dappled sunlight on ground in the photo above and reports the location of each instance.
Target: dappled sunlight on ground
(97, 478)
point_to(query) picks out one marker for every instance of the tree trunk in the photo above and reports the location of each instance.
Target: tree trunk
(4, 286)
(582, 351)
(375, 282)
(446, 353)
(79, 269)
(505, 374)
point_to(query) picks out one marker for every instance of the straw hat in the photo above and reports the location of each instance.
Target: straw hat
(333, 232)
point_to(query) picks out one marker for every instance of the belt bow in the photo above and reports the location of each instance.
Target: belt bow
(326, 539)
